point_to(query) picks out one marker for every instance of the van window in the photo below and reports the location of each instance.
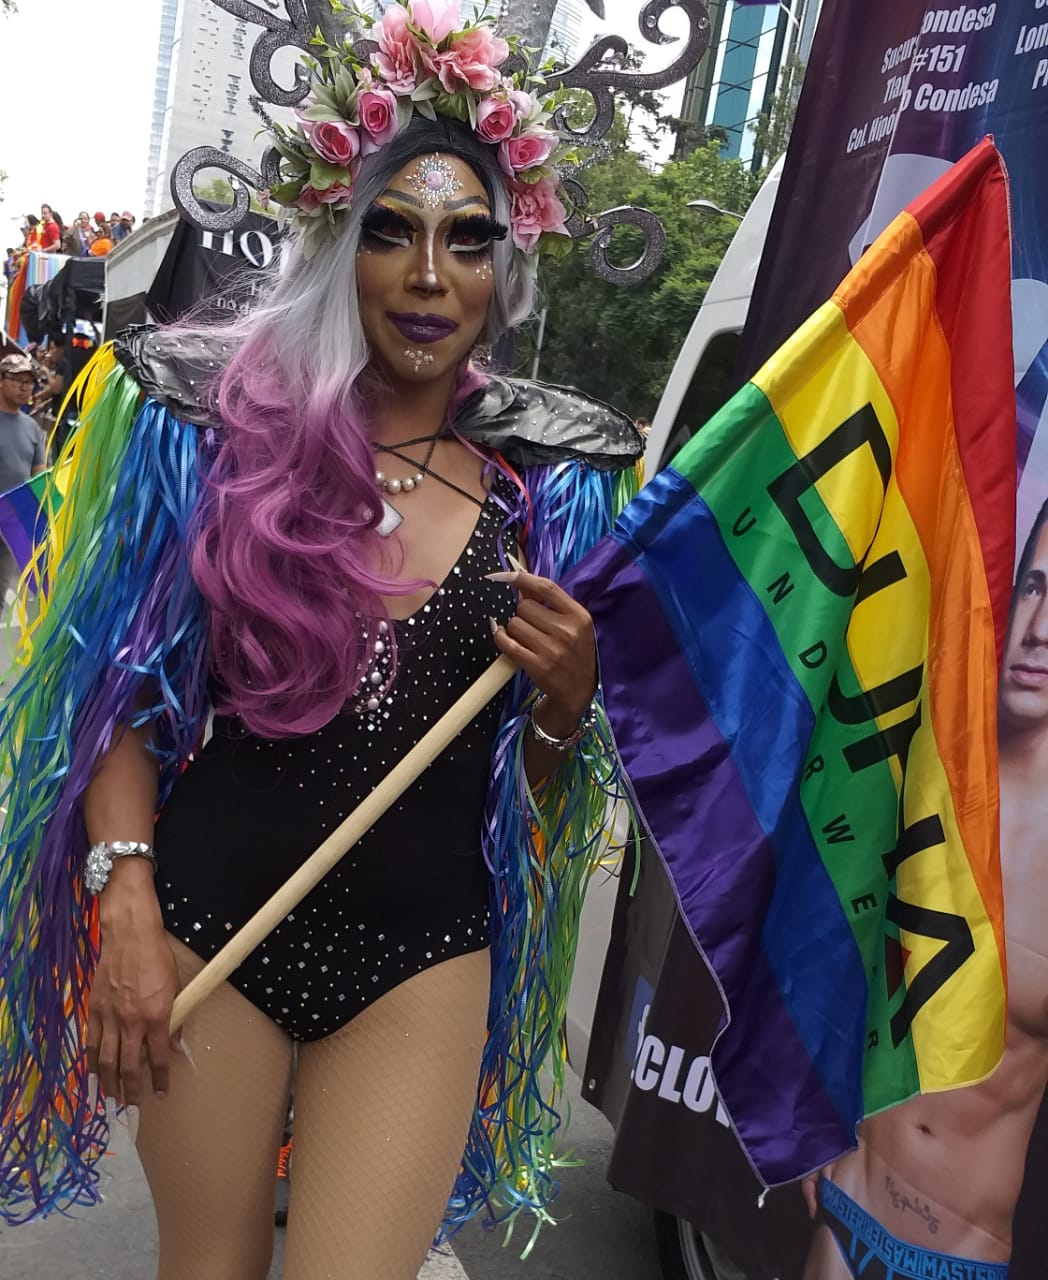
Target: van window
(712, 386)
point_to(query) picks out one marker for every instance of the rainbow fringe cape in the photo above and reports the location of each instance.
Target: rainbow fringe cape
(799, 625)
(120, 614)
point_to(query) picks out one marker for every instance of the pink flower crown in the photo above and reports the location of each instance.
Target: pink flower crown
(424, 63)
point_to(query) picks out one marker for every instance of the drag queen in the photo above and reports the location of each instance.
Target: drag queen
(284, 549)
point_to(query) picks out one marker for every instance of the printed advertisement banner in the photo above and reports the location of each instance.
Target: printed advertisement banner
(950, 1184)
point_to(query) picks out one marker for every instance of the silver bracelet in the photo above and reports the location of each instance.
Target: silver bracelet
(101, 857)
(585, 726)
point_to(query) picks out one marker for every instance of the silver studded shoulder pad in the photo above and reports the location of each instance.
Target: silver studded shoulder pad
(535, 424)
(175, 370)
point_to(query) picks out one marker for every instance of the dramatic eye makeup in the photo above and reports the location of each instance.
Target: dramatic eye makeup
(475, 233)
(471, 234)
(384, 226)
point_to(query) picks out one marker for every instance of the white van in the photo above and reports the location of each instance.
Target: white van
(700, 383)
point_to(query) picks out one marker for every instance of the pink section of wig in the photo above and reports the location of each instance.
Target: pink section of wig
(286, 547)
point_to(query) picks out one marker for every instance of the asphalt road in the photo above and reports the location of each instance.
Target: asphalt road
(600, 1235)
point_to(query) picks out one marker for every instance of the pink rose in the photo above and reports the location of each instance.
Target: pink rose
(526, 151)
(334, 141)
(396, 59)
(496, 118)
(377, 109)
(534, 208)
(338, 195)
(436, 19)
(472, 59)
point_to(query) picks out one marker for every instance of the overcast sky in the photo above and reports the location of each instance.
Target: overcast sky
(76, 99)
(76, 103)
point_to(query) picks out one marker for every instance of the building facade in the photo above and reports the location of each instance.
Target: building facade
(751, 47)
(565, 34)
(203, 90)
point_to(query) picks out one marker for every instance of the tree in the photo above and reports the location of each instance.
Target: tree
(220, 191)
(619, 343)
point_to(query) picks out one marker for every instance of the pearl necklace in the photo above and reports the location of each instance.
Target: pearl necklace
(392, 484)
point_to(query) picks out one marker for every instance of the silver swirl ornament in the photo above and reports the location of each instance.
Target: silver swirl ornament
(295, 30)
(199, 158)
(650, 255)
(595, 76)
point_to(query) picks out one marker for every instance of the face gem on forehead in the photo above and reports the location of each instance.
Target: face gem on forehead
(434, 181)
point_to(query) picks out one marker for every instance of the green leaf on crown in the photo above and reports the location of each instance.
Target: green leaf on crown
(286, 192)
(555, 244)
(321, 114)
(454, 105)
(533, 175)
(323, 175)
(346, 94)
(299, 163)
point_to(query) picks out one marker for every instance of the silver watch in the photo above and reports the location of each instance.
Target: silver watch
(101, 857)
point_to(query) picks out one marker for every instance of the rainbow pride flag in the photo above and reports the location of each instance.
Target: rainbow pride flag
(23, 520)
(799, 625)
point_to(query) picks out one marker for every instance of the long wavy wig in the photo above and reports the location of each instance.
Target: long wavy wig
(286, 548)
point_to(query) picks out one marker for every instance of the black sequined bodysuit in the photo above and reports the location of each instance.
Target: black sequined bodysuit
(415, 890)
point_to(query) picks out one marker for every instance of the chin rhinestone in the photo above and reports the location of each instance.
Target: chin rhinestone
(418, 358)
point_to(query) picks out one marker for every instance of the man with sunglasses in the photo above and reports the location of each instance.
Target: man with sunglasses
(23, 448)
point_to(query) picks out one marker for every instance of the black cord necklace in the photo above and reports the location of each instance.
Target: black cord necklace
(424, 469)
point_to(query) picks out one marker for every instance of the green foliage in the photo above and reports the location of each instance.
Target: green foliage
(619, 343)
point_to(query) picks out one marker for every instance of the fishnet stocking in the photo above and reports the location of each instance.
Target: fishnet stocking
(210, 1147)
(382, 1110)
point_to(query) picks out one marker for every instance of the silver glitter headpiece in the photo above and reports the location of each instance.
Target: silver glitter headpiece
(594, 74)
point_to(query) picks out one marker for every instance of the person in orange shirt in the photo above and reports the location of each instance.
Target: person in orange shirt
(33, 238)
(103, 241)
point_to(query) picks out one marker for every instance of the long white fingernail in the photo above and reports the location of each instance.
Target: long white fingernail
(501, 577)
(520, 568)
(493, 625)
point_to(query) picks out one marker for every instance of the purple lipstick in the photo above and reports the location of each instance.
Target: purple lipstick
(416, 328)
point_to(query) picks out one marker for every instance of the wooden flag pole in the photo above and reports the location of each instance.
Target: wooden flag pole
(342, 839)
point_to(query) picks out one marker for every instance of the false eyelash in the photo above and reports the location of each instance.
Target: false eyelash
(380, 221)
(482, 225)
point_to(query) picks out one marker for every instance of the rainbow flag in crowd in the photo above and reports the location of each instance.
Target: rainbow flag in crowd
(800, 624)
(23, 519)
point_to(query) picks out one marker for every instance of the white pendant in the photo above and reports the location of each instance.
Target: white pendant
(391, 519)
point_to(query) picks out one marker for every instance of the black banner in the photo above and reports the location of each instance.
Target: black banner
(211, 274)
(648, 1070)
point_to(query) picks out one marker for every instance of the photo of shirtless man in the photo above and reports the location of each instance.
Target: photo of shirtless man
(931, 1190)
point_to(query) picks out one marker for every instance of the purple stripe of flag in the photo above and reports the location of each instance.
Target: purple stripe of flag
(21, 520)
(684, 776)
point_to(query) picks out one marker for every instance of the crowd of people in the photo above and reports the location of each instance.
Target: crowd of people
(86, 237)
